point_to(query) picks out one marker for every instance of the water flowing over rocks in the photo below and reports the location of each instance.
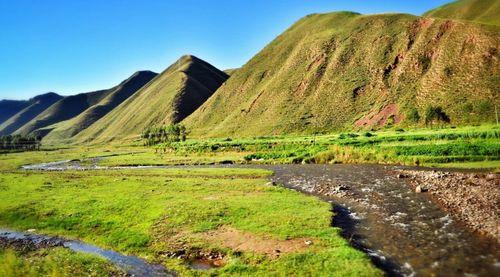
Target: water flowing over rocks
(471, 198)
(380, 213)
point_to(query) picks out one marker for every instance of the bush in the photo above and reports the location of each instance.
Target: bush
(433, 114)
(413, 115)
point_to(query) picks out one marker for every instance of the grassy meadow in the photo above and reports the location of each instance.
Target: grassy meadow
(462, 147)
(153, 212)
(158, 213)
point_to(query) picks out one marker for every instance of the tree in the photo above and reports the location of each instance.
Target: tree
(164, 134)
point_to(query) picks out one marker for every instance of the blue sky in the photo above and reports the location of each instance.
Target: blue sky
(78, 46)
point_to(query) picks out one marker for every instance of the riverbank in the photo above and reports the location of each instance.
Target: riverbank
(472, 198)
(183, 218)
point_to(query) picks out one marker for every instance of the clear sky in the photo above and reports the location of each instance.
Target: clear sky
(73, 46)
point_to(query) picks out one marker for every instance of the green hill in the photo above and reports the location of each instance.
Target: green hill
(64, 130)
(8, 108)
(72, 106)
(35, 106)
(169, 98)
(481, 11)
(345, 70)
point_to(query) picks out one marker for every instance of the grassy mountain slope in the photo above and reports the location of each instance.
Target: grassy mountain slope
(169, 98)
(36, 106)
(63, 109)
(346, 70)
(481, 11)
(66, 129)
(9, 108)
(72, 106)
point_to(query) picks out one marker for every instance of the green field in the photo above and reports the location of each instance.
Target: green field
(153, 212)
(156, 211)
(464, 147)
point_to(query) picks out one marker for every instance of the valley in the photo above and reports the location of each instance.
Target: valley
(350, 145)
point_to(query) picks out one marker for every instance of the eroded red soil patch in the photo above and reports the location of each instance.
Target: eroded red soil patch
(374, 118)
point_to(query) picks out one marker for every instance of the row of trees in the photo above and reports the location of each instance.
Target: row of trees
(164, 134)
(18, 142)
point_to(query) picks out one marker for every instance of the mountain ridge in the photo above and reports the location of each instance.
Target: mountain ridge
(64, 130)
(480, 11)
(168, 98)
(71, 107)
(36, 106)
(333, 78)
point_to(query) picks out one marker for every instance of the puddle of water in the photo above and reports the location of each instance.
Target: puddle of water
(202, 264)
(131, 264)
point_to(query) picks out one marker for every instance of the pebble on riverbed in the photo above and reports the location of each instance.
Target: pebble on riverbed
(470, 197)
(420, 189)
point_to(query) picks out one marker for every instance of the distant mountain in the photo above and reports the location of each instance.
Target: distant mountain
(30, 109)
(480, 11)
(230, 71)
(72, 106)
(64, 130)
(169, 98)
(9, 108)
(345, 70)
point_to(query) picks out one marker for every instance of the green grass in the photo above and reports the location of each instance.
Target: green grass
(148, 212)
(152, 211)
(430, 146)
(481, 11)
(53, 262)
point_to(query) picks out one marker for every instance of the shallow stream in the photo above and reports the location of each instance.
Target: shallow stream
(134, 266)
(404, 232)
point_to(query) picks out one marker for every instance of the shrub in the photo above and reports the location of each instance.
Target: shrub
(413, 115)
(484, 107)
(433, 114)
